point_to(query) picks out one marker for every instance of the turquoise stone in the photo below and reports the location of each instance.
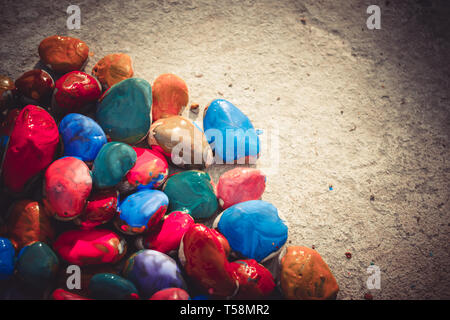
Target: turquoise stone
(124, 112)
(191, 191)
(109, 286)
(112, 163)
(37, 265)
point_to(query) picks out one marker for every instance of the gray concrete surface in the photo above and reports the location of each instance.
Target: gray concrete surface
(366, 111)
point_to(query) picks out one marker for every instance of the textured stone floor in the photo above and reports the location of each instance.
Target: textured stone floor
(362, 112)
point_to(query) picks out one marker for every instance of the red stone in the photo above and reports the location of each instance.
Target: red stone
(255, 281)
(35, 84)
(67, 186)
(204, 254)
(31, 147)
(75, 91)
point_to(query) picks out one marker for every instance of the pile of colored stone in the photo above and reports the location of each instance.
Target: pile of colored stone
(91, 210)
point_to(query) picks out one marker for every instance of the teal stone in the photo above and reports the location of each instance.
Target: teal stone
(109, 286)
(193, 192)
(124, 112)
(37, 265)
(112, 163)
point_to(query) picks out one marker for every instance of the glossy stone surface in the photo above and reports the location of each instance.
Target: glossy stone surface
(150, 170)
(239, 185)
(82, 137)
(203, 254)
(253, 229)
(31, 147)
(191, 191)
(170, 96)
(36, 85)
(101, 207)
(28, 221)
(112, 163)
(152, 271)
(7, 258)
(63, 54)
(141, 211)
(306, 276)
(113, 68)
(75, 91)
(109, 286)
(255, 281)
(223, 122)
(67, 186)
(186, 144)
(171, 294)
(90, 247)
(166, 237)
(124, 111)
(37, 265)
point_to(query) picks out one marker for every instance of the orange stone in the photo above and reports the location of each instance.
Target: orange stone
(63, 54)
(306, 276)
(170, 96)
(28, 222)
(113, 68)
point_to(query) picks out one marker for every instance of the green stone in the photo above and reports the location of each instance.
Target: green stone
(37, 265)
(109, 286)
(124, 113)
(193, 192)
(112, 163)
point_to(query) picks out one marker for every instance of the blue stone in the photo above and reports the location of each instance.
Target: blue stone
(253, 229)
(82, 137)
(230, 132)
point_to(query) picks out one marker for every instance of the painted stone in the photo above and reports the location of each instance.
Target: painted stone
(124, 111)
(170, 96)
(255, 281)
(223, 123)
(113, 68)
(28, 221)
(152, 271)
(7, 259)
(239, 185)
(141, 211)
(75, 91)
(7, 88)
(170, 294)
(167, 236)
(203, 253)
(37, 265)
(149, 172)
(191, 191)
(101, 208)
(112, 163)
(110, 286)
(178, 136)
(82, 137)
(306, 276)
(35, 85)
(89, 247)
(253, 229)
(63, 54)
(31, 147)
(67, 186)
(61, 294)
